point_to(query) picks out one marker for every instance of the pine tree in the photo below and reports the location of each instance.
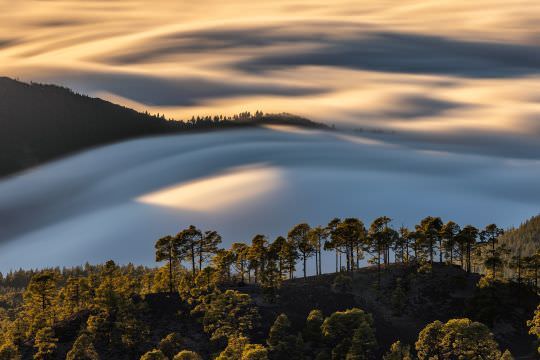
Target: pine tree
(457, 339)
(42, 289)
(312, 330)
(288, 255)
(189, 241)
(154, 355)
(207, 246)
(228, 314)
(448, 234)
(257, 255)
(235, 348)
(83, 349)
(398, 351)
(363, 342)
(254, 352)
(45, 344)
(534, 325)
(8, 351)
(430, 228)
(171, 344)
(282, 343)
(187, 355)
(240, 251)
(339, 329)
(318, 236)
(299, 235)
(168, 248)
(467, 239)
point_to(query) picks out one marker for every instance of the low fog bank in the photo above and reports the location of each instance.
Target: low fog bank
(114, 202)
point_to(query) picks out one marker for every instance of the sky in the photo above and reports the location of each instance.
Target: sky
(459, 72)
(447, 94)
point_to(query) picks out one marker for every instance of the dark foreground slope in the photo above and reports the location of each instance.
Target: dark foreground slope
(443, 293)
(41, 122)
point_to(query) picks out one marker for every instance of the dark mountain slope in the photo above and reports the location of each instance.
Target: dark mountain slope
(42, 122)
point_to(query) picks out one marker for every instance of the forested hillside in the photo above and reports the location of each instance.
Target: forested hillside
(41, 122)
(420, 300)
(525, 239)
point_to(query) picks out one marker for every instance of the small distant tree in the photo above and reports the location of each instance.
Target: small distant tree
(318, 236)
(288, 255)
(168, 248)
(228, 314)
(399, 298)
(342, 284)
(187, 355)
(83, 349)
(281, 340)
(341, 327)
(430, 228)
(154, 355)
(490, 237)
(235, 348)
(240, 251)
(378, 241)
(207, 246)
(299, 235)
(312, 331)
(254, 352)
(363, 343)
(448, 234)
(467, 239)
(171, 344)
(189, 241)
(42, 289)
(9, 351)
(534, 325)
(75, 294)
(334, 242)
(223, 262)
(350, 235)
(398, 351)
(457, 339)
(45, 344)
(275, 254)
(257, 255)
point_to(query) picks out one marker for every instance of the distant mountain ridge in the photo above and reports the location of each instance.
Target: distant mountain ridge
(41, 122)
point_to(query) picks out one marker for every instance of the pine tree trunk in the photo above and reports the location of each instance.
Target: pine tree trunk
(316, 262)
(170, 272)
(193, 260)
(304, 259)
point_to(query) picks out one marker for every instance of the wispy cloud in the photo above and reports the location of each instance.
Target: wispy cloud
(427, 69)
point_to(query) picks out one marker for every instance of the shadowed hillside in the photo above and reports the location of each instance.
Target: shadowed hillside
(42, 122)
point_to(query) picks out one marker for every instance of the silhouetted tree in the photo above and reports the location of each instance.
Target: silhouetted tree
(189, 240)
(299, 235)
(168, 248)
(430, 228)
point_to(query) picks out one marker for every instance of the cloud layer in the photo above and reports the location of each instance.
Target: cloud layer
(94, 206)
(426, 69)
